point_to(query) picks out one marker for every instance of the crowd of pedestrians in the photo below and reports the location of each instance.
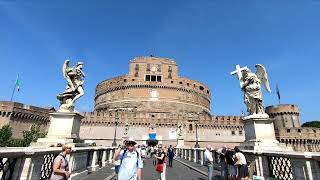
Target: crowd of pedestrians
(128, 160)
(233, 164)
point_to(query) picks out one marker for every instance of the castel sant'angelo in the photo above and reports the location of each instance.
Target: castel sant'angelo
(151, 102)
(154, 105)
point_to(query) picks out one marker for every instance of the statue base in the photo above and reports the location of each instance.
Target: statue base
(64, 129)
(259, 134)
(180, 143)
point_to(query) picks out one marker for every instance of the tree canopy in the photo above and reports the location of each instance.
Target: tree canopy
(30, 136)
(315, 124)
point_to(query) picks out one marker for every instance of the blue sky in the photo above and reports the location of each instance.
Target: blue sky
(207, 39)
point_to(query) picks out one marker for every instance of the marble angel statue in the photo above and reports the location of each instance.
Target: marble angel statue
(74, 89)
(250, 84)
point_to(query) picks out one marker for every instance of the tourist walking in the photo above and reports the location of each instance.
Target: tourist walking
(232, 170)
(223, 164)
(130, 167)
(209, 161)
(170, 155)
(161, 163)
(61, 165)
(241, 164)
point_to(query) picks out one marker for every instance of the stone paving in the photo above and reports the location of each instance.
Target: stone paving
(179, 171)
(102, 173)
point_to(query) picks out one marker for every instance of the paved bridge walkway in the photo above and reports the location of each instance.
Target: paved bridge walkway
(181, 170)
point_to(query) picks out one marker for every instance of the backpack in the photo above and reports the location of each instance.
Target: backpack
(117, 167)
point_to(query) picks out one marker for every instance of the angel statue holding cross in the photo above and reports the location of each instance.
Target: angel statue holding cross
(250, 84)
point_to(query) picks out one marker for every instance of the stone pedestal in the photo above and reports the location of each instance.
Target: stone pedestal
(64, 128)
(259, 134)
(180, 143)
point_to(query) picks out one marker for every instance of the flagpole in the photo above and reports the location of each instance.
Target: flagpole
(278, 94)
(14, 88)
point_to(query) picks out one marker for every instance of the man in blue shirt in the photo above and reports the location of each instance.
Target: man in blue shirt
(130, 167)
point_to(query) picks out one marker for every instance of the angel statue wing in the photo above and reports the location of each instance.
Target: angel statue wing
(65, 67)
(263, 76)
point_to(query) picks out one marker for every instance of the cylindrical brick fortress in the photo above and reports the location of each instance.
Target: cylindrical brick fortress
(285, 115)
(153, 85)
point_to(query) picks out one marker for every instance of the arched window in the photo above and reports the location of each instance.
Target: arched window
(190, 127)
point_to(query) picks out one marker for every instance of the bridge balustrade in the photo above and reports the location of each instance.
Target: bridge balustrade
(36, 163)
(278, 165)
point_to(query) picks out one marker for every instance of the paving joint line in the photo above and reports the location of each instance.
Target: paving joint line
(193, 168)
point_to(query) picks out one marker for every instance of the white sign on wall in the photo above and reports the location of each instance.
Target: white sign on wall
(172, 134)
(154, 95)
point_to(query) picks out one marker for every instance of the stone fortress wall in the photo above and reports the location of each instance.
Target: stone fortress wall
(21, 117)
(217, 130)
(289, 131)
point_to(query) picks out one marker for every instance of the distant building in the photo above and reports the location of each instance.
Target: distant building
(153, 100)
(21, 117)
(289, 131)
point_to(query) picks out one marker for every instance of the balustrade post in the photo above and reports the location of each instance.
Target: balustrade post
(306, 169)
(195, 155)
(104, 158)
(22, 168)
(110, 155)
(201, 157)
(190, 154)
(94, 166)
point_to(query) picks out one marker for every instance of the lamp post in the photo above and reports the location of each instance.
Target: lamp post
(114, 143)
(197, 143)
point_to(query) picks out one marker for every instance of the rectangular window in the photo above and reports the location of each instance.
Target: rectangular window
(153, 78)
(170, 75)
(159, 68)
(158, 78)
(137, 67)
(240, 132)
(147, 77)
(233, 133)
(148, 67)
(136, 74)
(170, 69)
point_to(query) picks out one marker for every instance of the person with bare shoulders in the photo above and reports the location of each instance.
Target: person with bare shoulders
(61, 165)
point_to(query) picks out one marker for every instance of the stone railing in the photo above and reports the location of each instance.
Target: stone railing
(34, 163)
(270, 165)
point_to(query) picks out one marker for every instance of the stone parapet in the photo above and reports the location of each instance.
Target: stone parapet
(267, 164)
(36, 163)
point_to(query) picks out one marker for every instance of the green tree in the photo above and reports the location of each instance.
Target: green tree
(32, 135)
(16, 143)
(5, 135)
(315, 124)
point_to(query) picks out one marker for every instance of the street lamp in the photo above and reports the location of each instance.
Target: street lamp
(122, 109)
(197, 143)
(114, 143)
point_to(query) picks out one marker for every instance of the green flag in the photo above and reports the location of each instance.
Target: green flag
(18, 83)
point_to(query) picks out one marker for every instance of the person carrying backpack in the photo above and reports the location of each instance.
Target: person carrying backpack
(230, 158)
(130, 166)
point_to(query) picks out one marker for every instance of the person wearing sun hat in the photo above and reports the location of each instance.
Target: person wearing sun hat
(131, 165)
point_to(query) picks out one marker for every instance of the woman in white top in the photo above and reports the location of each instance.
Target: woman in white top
(241, 163)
